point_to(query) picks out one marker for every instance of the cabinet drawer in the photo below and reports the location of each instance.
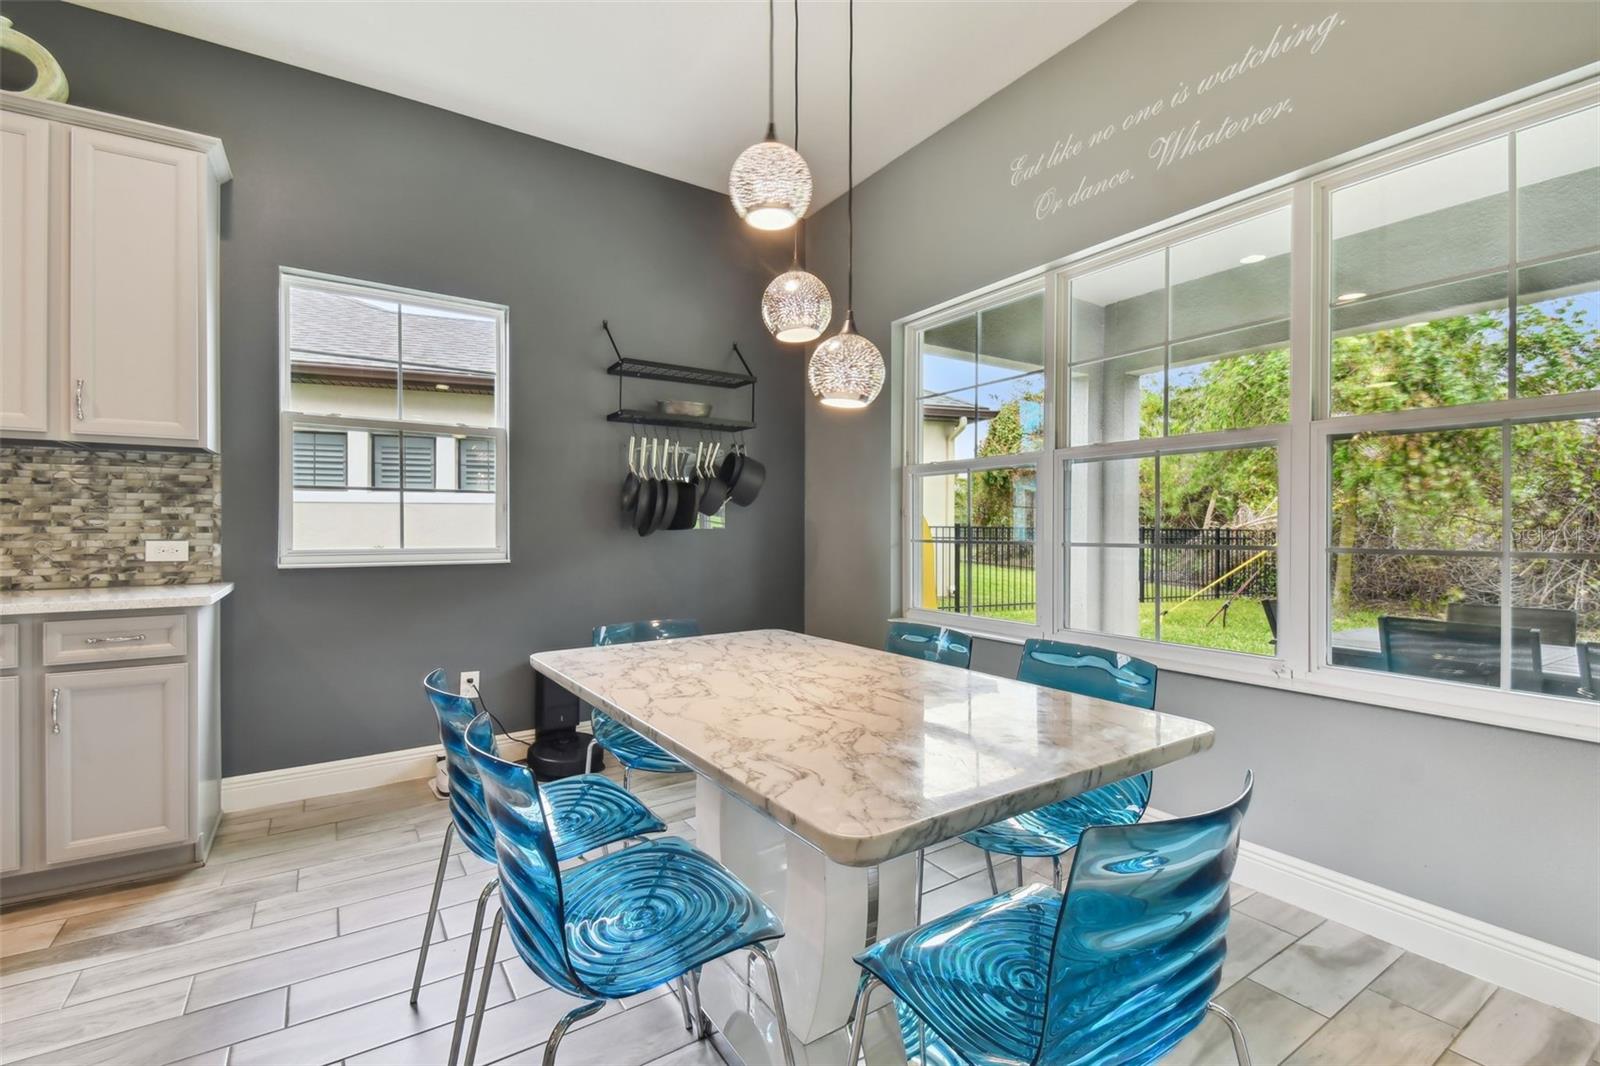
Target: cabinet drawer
(104, 640)
(8, 645)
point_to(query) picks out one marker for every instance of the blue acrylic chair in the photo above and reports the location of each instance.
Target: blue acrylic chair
(615, 926)
(630, 749)
(935, 644)
(1054, 830)
(590, 811)
(1116, 970)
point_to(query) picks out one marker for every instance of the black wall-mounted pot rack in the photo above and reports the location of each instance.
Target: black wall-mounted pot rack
(626, 367)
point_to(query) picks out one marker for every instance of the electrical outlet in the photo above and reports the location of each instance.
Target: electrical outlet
(469, 682)
(166, 551)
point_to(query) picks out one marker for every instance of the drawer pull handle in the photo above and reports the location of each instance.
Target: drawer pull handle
(77, 398)
(134, 639)
(55, 710)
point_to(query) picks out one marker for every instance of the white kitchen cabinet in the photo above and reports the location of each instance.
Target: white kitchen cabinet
(110, 746)
(116, 765)
(134, 344)
(10, 773)
(111, 237)
(24, 272)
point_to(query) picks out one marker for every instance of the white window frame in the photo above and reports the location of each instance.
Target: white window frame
(1302, 660)
(288, 420)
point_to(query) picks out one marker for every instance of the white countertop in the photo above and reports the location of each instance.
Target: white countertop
(864, 754)
(141, 598)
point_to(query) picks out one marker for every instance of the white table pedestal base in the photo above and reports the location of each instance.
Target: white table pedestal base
(829, 911)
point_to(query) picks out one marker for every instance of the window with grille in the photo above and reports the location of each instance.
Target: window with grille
(393, 423)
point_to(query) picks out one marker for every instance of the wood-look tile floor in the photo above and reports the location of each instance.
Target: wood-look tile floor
(297, 941)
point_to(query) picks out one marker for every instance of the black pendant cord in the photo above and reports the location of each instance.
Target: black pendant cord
(772, 71)
(850, 175)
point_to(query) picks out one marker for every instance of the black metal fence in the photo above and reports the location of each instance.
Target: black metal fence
(989, 569)
(1208, 564)
(984, 569)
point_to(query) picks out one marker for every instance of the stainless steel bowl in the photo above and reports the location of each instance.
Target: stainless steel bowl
(685, 408)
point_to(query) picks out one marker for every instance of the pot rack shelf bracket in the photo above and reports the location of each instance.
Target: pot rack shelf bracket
(626, 367)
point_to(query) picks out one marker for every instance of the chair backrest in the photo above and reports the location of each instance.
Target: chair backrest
(936, 644)
(1140, 942)
(1555, 626)
(639, 632)
(1589, 670)
(455, 712)
(1454, 651)
(530, 877)
(1090, 671)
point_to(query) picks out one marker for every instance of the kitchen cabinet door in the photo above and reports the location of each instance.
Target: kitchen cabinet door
(10, 774)
(24, 272)
(116, 767)
(135, 325)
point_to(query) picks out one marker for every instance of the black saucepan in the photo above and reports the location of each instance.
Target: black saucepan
(752, 475)
(688, 504)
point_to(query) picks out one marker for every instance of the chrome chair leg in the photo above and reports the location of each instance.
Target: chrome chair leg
(858, 1016)
(483, 988)
(749, 982)
(994, 886)
(1241, 1050)
(627, 776)
(680, 992)
(701, 1030)
(588, 756)
(1055, 871)
(1019, 872)
(760, 951)
(470, 967)
(578, 1013)
(922, 858)
(433, 911)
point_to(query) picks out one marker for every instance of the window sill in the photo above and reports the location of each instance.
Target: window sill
(1571, 719)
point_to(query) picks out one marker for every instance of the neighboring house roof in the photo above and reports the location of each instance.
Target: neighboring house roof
(359, 338)
(953, 412)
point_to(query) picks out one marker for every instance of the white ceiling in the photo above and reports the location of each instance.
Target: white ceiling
(678, 87)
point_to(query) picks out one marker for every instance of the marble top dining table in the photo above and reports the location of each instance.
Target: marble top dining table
(863, 754)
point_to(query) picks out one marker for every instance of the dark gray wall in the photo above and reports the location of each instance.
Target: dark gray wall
(325, 664)
(1451, 812)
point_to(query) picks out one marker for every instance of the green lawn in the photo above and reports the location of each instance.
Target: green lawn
(1195, 623)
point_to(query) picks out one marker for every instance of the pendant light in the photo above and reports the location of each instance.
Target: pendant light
(796, 307)
(770, 183)
(846, 370)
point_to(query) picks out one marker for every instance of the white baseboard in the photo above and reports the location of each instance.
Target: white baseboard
(1542, 971)
(292, 783)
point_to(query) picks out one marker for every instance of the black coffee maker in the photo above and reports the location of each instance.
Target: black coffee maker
(558, 747)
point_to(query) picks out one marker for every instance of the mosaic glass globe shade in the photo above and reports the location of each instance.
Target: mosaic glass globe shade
(796, 307)
(770, 185)
(846, 370)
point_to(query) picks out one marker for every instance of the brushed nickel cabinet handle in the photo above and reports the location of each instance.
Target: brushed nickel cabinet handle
(77, 398)
(55, 710)
(136, 638)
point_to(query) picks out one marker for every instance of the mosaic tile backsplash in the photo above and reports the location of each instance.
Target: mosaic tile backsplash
(78, 517)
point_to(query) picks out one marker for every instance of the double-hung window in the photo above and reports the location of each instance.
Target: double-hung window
(975, 452)
(1177, 404)
(393, 425)
(1342, 436)
(1462, 342)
